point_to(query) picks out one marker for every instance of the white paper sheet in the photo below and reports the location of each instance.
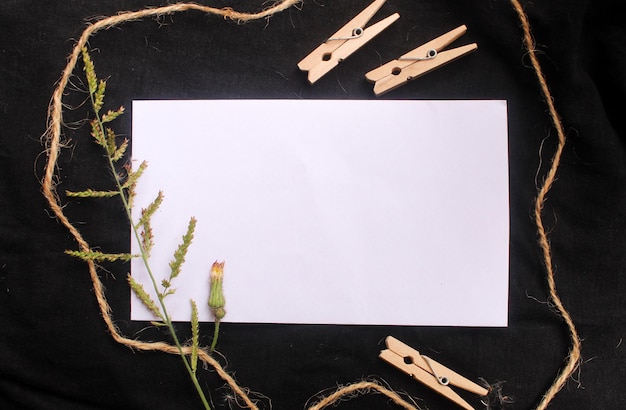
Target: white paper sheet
(330, 212)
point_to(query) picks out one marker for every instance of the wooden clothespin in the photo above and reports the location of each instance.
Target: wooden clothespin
(429, 372)
(418, 62)
(344, 42)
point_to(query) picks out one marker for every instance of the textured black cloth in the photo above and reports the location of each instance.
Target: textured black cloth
(55, 352)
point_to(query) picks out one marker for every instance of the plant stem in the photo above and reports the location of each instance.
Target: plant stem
(144, 258)
(216, 332)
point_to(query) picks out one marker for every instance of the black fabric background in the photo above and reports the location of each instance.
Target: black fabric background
(55, 352)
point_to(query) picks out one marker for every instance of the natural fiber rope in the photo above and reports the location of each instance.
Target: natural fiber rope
(52, 139)
(573, 358)
(360, 388)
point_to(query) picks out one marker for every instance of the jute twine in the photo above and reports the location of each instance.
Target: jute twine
(53, 142)
(573, 359)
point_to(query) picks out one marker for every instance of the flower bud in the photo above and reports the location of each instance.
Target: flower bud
(216, 297)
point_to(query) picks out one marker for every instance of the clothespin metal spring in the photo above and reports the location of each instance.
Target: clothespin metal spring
(432, 53)
(356, 33)
(443, 380)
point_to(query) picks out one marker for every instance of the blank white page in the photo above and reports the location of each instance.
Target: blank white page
(330, 212)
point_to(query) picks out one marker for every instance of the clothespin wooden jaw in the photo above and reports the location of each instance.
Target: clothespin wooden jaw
(344, 42)
(429, 372)
(418, 62)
